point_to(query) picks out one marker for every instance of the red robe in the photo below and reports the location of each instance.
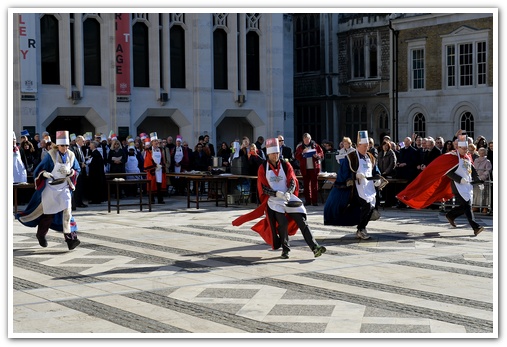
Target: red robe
(150, 166)
(431, 184)
(263, 227)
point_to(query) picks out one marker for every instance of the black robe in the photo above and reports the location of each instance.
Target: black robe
(97, 190)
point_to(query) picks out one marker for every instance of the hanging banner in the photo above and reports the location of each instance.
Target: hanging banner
(28, 52)
(122, 53)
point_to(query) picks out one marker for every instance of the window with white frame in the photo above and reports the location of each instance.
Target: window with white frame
(465, 58)
(416, 61)
(364, 57)
(418, 69)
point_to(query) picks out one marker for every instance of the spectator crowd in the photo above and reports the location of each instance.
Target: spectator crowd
(100, 154)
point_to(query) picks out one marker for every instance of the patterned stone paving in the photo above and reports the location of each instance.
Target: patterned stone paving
(178, 272)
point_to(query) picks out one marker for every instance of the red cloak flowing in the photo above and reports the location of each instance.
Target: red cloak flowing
(431, 184)
(263, 226)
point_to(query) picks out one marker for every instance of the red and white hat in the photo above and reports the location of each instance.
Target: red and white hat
(272, 146)
(147, 142)
(178, 138)
(62, 137)
(142, 136)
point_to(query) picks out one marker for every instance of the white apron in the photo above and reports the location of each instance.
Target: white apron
(132, 166)
(56, 198)
(366, 190)
(464, 170)
(178, 157)
(157, 158)
(279, 183)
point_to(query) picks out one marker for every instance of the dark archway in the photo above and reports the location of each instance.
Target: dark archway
(163, 126)
(231, 128)
(73, 124)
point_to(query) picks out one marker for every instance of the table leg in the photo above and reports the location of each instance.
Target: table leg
(140, 196)
(117, 198)
(148, 188)
(216, 191)
(188, 192)
(226, 184)
(108, 197)
(15, 200)
(197, 186)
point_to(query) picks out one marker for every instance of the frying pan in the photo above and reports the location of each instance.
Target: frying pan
(57, 181)
(293, 203)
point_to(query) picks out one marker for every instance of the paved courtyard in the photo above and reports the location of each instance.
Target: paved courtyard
(177, 272)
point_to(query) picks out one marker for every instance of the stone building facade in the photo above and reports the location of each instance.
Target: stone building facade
(226, 75)
(256, 74)
(365, 71)
(445, 74)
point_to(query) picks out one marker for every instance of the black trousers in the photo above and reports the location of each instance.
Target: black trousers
(281, 238)
(365, 209)
(463, 207)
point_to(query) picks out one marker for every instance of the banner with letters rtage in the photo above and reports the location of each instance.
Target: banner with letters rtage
(28, 51)
(122, 53)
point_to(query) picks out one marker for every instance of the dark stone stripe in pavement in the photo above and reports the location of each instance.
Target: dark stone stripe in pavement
(120, 317)
(445, 269)
(22, 284)
(55, 272)
(217, 316)
(394, 329)
(460, 260)
(471, 324)
(448, 299)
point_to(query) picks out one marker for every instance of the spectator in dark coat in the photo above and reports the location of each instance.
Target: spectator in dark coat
(287, 154)
(96, 175)
(407, 165)
(431, 153)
